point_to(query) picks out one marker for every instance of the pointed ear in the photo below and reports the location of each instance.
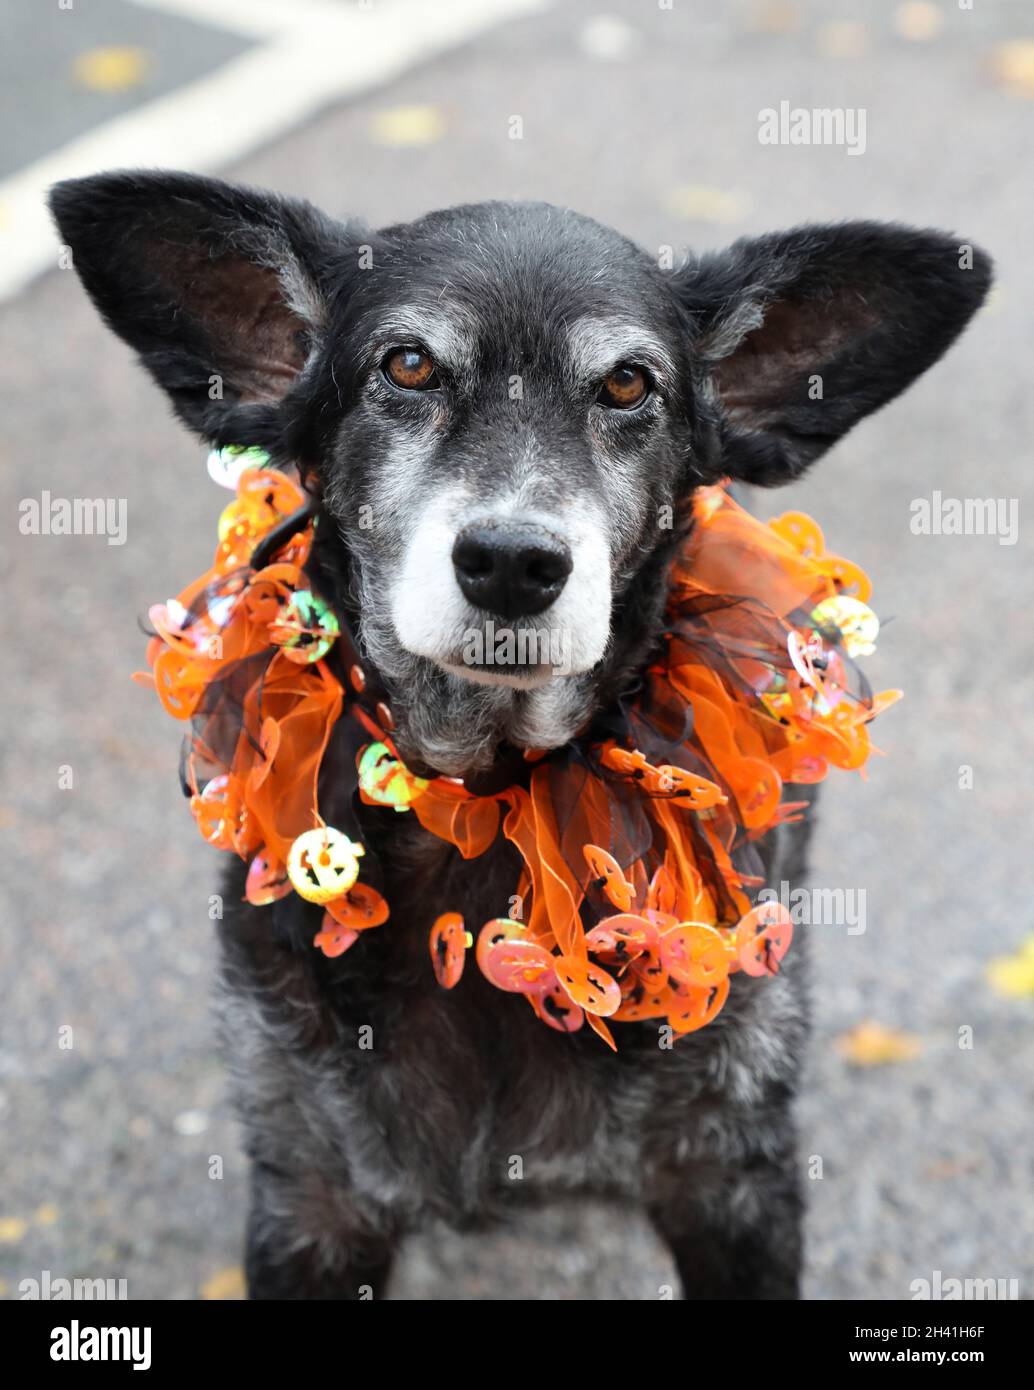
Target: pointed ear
(802, 333)
(220, 289)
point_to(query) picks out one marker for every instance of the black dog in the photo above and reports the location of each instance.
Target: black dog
(493, 405)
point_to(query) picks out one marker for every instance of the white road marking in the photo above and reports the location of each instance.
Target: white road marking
(314, 53)
(258, 18)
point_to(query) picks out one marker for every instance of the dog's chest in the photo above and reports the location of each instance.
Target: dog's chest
(460, 1101)
(465, 1091)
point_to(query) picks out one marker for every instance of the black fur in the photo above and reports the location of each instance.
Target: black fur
(285, 311)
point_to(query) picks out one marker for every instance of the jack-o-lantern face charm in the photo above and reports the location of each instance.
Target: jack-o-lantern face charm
(607, 872)
(333, 939)
(763, 938)
(695, 954)
(449, 942)
(386, 781)
(856, 623)
(306, 629)
(323, 864)
(266, 881)
(588, 985)
(218, 811)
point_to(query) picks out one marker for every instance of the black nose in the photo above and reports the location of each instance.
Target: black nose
(514, 569)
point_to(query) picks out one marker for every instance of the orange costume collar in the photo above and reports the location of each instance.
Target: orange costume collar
(639, 845)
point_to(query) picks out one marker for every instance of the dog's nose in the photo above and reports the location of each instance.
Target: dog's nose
(515, 570)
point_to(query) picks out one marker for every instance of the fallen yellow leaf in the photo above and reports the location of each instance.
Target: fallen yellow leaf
(946, 1168)
(699, 203)
(226, 1284)
(112, 69)
(46, 1214)
(407, 125)
(12, 1228)
(844, 38)
(918, 20)
(872, 1045)
(776, 17)
(1013, 975)
(1012, 65)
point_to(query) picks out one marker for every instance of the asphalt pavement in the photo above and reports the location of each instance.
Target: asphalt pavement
(112, 1100)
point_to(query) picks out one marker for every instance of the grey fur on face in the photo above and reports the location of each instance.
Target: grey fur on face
(515, 437)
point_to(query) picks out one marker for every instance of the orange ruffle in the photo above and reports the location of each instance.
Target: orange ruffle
(633, 894)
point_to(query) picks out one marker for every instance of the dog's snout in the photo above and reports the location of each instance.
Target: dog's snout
(514, 570)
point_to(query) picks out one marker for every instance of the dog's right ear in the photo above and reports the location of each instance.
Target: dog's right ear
(220, 289)
(801, 334)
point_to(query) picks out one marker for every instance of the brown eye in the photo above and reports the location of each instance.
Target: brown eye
(625, 388)
(411, 368)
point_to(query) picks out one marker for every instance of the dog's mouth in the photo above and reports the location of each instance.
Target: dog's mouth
(513, 599)
(496, 628)
(485, 650)
(461, 718)
(501, 676)
(515, 677)
(491, 652)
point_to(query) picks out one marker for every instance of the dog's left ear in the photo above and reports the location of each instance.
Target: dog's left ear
(221, 289)
(800, 334)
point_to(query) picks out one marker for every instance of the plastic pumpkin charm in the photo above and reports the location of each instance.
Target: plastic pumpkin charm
(554, 1007)
(520, 967)
(856, 623)
(386, 781)
(226, 465)
(589, 986)
(218, 811)
(306, 628)
(697, 793)
(266, 881)
(621, 938)
(333, 939)
(694, 954)
(699, 1008)
(362, 907)
(264, 497)
(607, 872)
(763, 938)
(323, 864)
(449, 942)
(492, 933)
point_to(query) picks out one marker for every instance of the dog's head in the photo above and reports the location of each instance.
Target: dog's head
(506, 408)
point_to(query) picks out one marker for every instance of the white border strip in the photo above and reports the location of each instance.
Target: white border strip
(317, 53)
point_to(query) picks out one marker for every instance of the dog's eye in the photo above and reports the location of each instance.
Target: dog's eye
(411, 368)
(625, 388)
